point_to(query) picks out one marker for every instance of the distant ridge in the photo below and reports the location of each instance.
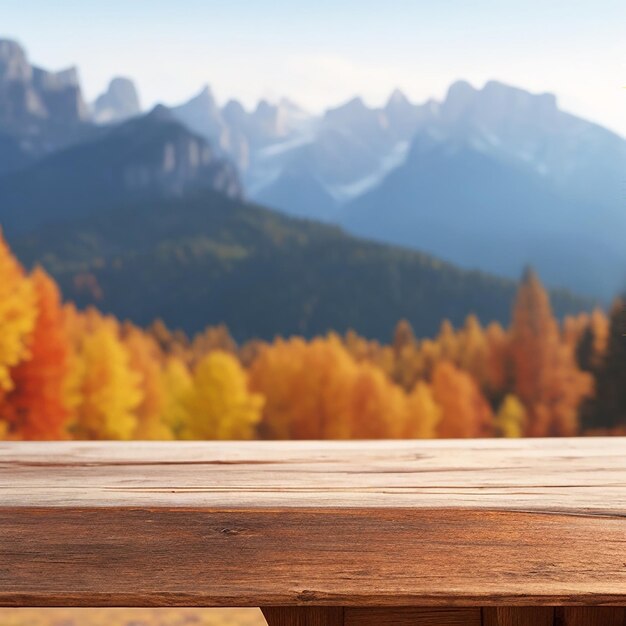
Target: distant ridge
(151, 156)
(205, 259)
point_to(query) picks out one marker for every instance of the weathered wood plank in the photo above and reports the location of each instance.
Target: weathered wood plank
(575, 475)
(590, 616)
(367, 557)
(518, 616)
(444, 524)
(412, 616)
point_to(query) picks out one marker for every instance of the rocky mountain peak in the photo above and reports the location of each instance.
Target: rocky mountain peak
(31, 95)
(397, 99)
(515, 101)
(497, 102)
(460, 96)
(204, 99)
(119, 102)
(14, 64)
(234, 112)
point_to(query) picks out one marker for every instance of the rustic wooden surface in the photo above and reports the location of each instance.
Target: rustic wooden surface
(519, 616)
(304, 616)
(411, 616)
(354, 524)
(590, 616)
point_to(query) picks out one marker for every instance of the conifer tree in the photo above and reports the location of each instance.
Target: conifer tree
(547, 378)
(608, 408)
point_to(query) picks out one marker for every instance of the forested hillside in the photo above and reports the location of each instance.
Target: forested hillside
(207, 259)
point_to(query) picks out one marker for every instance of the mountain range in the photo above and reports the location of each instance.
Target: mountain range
(492, 178)
(489, 179)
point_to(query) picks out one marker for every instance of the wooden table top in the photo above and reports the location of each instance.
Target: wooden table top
(392, 523)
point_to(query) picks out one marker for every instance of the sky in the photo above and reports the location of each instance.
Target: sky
(320, 53)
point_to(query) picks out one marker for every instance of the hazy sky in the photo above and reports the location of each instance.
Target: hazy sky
(322, 52)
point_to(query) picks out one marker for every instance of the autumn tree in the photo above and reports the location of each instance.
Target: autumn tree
(219, 404)
(377, 406)
(423, 414)
(591, 342)
(607, 410)
(307, 387)
(212, 338)
(547, 378)
(171, 343)
(473, 351)
(107, 388)
(364, 350)
(18, 312)
(464, 410)
(499, 366)
(408, 366)
(37, 407)
(146, 360)
(177, 384)
(317, 390)
(510, 420)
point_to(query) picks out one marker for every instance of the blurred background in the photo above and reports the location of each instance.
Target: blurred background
(309, 220)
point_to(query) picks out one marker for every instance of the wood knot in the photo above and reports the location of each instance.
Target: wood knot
(306, 595)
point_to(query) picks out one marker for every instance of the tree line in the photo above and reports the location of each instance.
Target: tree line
(70, 374)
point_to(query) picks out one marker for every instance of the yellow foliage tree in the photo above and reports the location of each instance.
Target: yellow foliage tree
(423, 413)
(219, 404)
(146, 361)
(177, 384)
(473, 351)
(18, 312)
(511, 418)
(108, 390)
(377, 407)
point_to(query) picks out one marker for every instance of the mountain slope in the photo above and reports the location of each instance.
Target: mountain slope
(476, 211)
(315, 200)
(151, 156)
(501, 179)
(205, 259)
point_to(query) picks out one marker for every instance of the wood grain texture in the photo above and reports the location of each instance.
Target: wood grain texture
(585, 475)
(412, 616)
(590, 616)
(518, 616)
(303, 616)
(448, 524)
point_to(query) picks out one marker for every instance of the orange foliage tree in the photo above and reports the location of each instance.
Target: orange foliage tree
(37, 407)
(464, 410)
(547, 378)
(317, 390)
